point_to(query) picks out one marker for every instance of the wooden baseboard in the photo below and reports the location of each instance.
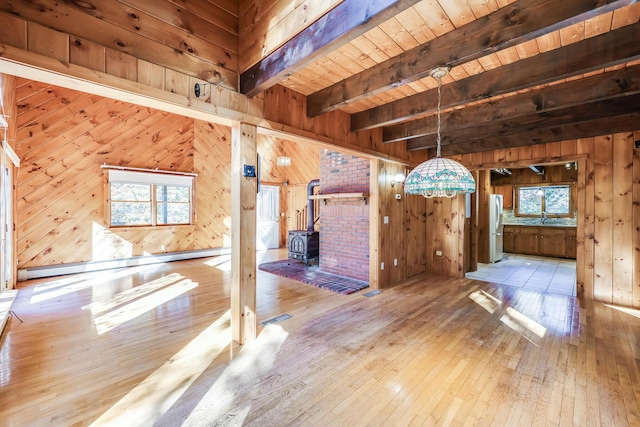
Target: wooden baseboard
(85, 267)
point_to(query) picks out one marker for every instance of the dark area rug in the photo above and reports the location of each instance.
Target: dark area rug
(311, 275)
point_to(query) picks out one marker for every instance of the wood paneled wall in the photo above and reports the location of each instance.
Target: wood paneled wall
(197, 39)
(402, 238)
(608, 196)
(198, 47)
(63, 136)
(288, 107)
(445, 236)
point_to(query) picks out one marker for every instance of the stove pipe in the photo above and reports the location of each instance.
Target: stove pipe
(310, 213)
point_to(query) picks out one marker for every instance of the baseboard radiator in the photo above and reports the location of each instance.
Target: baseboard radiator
(90, 266)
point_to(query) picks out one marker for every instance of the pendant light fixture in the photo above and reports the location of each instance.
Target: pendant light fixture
(439, 177)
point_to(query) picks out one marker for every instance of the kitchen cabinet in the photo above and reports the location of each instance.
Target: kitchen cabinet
(507, 195)
(527, 241)
(509, 239)
(571, 243)
(551, 242)
(558, 242)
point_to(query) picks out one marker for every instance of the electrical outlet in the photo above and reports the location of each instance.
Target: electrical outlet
(395, 262)
(385, 219)
(438, 253)
(382, 266)
(398, 196)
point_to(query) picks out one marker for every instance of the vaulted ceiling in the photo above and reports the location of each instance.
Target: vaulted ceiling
(522, 72)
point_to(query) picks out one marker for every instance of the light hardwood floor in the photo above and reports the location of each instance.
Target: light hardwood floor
(150, 346)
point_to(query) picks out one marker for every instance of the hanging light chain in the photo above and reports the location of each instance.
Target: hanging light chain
(439, 77)
(438, 73)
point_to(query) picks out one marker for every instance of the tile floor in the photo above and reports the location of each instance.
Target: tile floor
(555, 275)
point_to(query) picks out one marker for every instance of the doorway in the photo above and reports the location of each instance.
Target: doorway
(6, 221)
(539, 245)
(268, 217)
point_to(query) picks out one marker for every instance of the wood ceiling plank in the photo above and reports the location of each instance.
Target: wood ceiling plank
(594, 88)
(413, 22)
(383, 42)
(481, 8)
(519, 22)
(613, 48)
(626, 16)
(572, 34)
(435, 17)
(458, 11)
(347, 21)
(399, 34)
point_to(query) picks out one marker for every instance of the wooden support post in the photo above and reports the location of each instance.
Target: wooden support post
(374, 225)
(243, 235)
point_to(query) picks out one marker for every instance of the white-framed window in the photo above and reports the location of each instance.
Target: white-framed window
(149, 199)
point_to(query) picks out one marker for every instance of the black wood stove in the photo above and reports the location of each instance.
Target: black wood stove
(304, 245)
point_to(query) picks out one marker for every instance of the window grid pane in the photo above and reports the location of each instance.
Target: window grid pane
(132, 204)
(556, 200)
(530, 202)
(122, 191)
(130, 213)
(172, 213)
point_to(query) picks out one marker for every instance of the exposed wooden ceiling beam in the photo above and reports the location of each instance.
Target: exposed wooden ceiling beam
(529, 123)
(511, 25)
(594, 88)
(625, 123)
(347, 21)
(612, 48)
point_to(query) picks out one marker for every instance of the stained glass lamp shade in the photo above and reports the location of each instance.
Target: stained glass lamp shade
(439, 177)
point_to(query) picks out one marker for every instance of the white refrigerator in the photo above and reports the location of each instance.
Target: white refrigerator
(495, 227)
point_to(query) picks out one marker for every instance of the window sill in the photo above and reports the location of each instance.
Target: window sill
(150, 227)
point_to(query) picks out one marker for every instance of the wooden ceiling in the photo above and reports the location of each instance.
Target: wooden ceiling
(522, 72)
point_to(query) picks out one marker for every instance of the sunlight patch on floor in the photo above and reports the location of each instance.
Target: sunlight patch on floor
(486, 301)
(528, 328)
(222, 263)
(524, 325)
(132, 293)
(628, 310)
(243, 373)
(59, 287)
(153, 397)
(112, 319)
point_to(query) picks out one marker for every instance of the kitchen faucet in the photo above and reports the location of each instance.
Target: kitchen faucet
(543, 217)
